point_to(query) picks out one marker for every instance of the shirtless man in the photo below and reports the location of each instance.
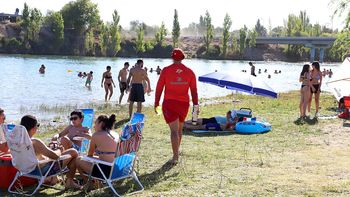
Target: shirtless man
(108, 81)
(43, 152)
(136, 76)
(122, 77)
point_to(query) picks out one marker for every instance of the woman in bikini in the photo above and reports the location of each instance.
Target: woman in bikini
(305, 89)
(107, 81)
(316, 82)
(102, 146)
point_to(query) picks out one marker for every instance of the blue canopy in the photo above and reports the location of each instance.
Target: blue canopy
(241, 83)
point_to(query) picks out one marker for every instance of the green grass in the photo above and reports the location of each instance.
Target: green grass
(296, 158)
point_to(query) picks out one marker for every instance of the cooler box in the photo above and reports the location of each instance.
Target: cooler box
(8, 172)
(243, 112)
(347, 102)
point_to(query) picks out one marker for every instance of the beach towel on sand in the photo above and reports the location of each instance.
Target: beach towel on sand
(22, 151)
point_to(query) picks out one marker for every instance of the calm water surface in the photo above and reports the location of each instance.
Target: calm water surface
(22, 87)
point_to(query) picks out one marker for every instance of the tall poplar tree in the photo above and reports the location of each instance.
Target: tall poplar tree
(209, 35)
(226, 33)
(176, 30)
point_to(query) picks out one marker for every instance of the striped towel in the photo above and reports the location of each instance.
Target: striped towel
(130, 140)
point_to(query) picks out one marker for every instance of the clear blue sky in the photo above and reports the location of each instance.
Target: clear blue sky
(153, 12)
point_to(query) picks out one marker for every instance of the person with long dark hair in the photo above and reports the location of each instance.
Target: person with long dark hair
(304, 90)
(102, 146)
(315, 88)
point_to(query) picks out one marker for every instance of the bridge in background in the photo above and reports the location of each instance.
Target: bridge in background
(311, 42)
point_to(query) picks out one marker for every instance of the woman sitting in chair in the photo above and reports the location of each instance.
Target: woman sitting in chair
(218, 123)
(42, 152)
(102, 146)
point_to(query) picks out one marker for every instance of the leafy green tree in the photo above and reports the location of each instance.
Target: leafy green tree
(35, 24)
(115, 34)
(104, 38)
(242, 39)
(252, 38)
(260, 29)
(25, 23)
(234, 45)
(208, 36)
(140, 42)
(305, 20)
(80, 15)
(316, 30)
(54, 23)
(160, 35)
(176, 29)
(341, 46)
(89, 42)
(226, 33)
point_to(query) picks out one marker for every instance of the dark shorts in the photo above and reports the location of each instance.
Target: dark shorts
(137, 93)
(97, 173)
(122, 87)
(209, 120)
(317, 88)
(173, 110)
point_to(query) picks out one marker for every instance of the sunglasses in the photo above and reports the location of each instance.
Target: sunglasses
(73, 118)
(38, 125)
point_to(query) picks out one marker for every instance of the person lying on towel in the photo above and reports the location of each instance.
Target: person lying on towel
(217, 123)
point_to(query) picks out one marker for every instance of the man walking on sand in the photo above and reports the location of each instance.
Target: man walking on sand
(136, 76)
(122, 77)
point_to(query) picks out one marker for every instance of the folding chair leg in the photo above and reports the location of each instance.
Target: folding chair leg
(18, 174)
(110, 184)
(136, 179)
(13, 182)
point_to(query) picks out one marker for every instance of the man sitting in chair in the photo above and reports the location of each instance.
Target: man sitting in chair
(42, 151)
(217, 123)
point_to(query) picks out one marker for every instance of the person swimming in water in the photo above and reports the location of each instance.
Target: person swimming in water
(42, 69)
(107, 82)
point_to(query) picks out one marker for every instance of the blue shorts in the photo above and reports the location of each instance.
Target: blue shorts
(76, 147)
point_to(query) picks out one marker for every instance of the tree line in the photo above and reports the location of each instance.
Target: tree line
(77, 29)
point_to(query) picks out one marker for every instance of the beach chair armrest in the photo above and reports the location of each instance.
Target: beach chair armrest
(61, 158)
(64, 157)
(96, 161)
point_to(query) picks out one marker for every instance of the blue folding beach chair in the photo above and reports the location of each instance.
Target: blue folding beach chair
(22, 149)
(126, 154)
(87, 122)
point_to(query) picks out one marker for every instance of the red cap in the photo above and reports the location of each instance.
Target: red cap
(177, 54)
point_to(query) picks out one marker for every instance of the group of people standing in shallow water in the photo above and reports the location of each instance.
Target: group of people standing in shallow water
(175, 80)
(135, 81)
(311, 81)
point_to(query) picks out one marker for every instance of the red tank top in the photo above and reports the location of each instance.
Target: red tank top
(177, 79)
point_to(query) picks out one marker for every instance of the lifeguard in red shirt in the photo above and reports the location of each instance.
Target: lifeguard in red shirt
(177, 79)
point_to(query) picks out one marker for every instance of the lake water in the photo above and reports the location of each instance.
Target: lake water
(22, 88)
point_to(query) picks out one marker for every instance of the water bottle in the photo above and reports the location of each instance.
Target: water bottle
(195, 114)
